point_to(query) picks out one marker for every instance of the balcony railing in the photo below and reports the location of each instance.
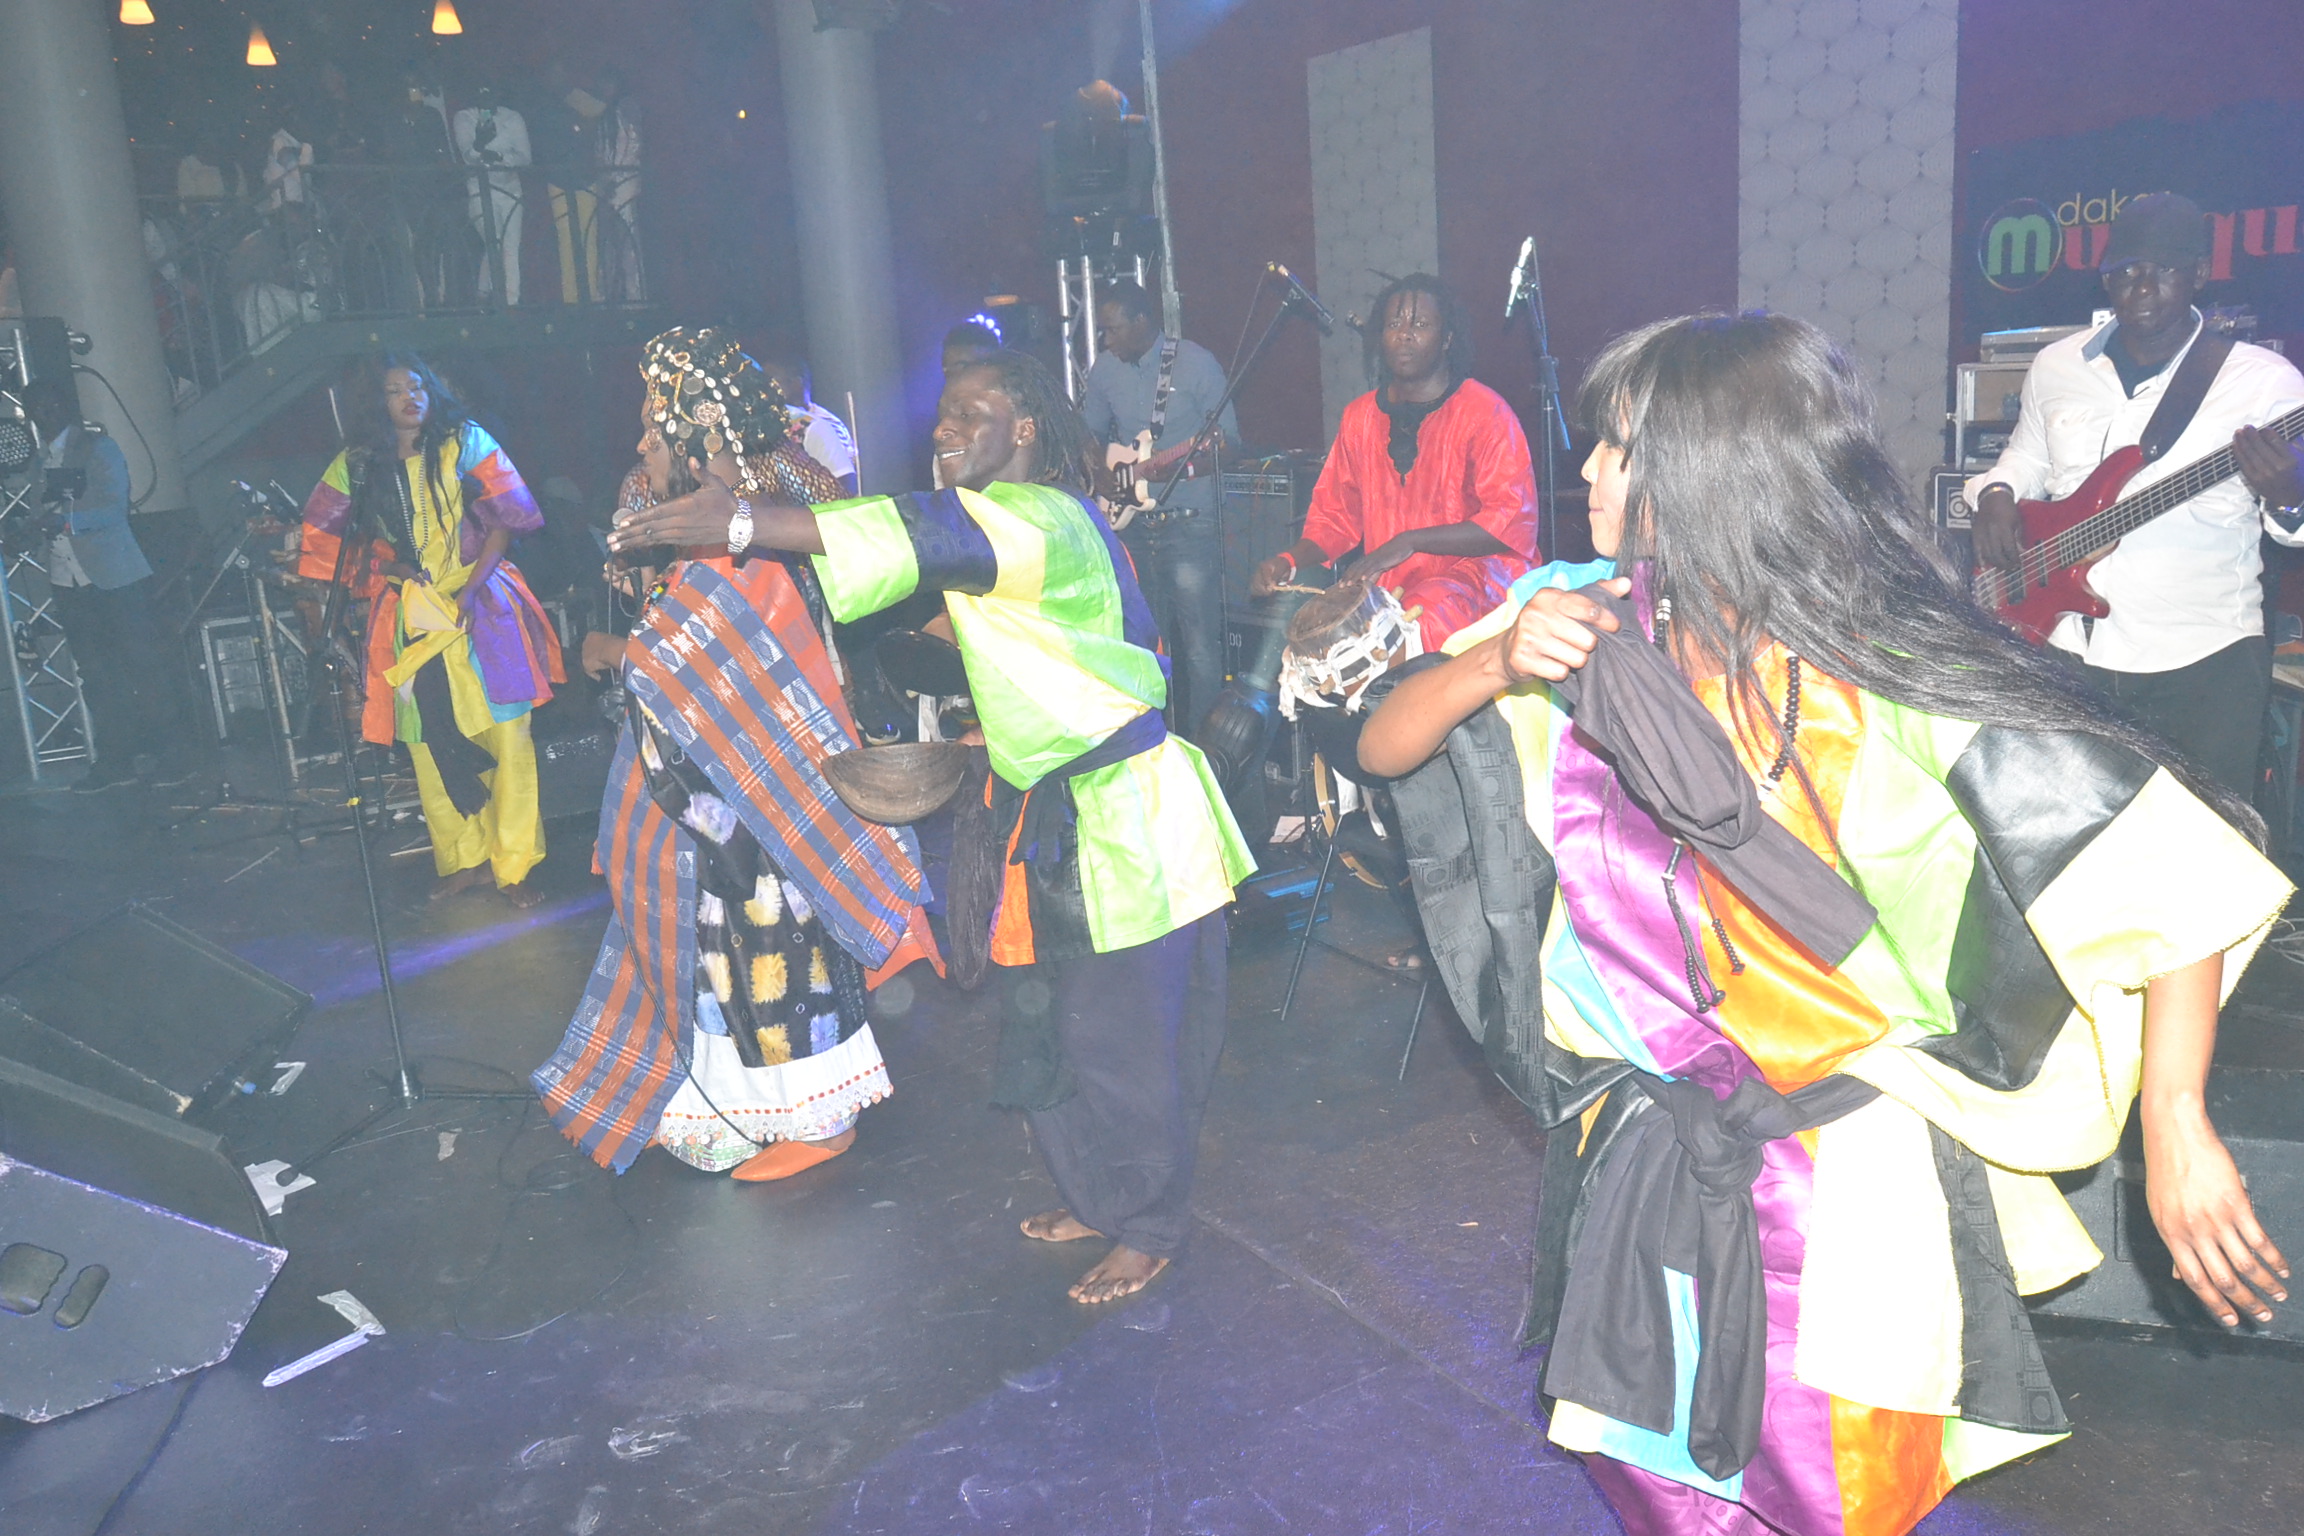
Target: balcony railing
(232, 279)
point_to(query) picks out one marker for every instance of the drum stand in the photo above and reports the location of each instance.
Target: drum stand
(1354, 836)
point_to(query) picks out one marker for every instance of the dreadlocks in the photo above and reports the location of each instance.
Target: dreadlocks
(1762, 505)
(1067, 452)
(1453, 325)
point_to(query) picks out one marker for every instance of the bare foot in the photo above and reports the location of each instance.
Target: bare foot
(1057, 1226)
(523, 895)
(1123, 1272)
(458, 883)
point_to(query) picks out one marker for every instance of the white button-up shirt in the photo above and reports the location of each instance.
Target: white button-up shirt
(2190, 583)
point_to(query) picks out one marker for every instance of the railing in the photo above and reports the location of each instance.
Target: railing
(233, 278)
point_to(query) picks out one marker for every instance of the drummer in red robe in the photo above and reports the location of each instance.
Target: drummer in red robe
(1429, 476)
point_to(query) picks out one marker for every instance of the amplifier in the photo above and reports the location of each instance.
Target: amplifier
(2260, 1115)
(1264, 500)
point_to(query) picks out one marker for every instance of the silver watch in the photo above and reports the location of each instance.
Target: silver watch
(740, 528)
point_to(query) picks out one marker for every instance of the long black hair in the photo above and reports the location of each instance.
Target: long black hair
(368, 424)
(1454, 324)
(1065, 452)
(1763, 506)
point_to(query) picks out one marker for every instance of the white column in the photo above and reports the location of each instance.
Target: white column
(1845, 191)
(847, 268)
(70, 195)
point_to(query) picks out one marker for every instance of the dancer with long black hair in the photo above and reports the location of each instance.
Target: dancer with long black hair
(1856, 920)
(459, 651)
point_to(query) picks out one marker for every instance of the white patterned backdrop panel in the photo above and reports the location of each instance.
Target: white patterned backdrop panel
(1845, 191)
(1374, 199)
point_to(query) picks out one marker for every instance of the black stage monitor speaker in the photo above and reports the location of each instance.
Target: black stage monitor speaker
(132, 1248)
(2260, 1115)
(145, 1010)
(572, 771)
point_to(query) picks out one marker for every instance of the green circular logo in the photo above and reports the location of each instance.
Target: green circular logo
(2020, 246)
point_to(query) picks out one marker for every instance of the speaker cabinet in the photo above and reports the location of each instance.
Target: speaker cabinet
(2260, 1115)
(144, 1010)
(132, 1248)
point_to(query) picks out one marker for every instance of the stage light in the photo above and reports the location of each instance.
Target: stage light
(135, 13)
(260, 51)
(445, 21)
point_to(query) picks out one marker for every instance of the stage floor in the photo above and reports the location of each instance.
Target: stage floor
(872, 1347)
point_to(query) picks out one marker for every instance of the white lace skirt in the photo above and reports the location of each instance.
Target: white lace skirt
(726, 1111)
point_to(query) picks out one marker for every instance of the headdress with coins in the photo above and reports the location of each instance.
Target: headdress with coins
(705, 394)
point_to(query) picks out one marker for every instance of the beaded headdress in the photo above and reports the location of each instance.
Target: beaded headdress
(705, 394)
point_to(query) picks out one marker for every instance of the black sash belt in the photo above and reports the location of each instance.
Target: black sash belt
(1676, 1193)
(1028, 1069)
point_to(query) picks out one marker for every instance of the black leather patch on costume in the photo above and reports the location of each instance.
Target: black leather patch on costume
(2036, 798)
(952, 552)
(2007, 1000)
(2003, 1378)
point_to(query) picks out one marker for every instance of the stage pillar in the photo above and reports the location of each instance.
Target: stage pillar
(847, 265)
(70, 196)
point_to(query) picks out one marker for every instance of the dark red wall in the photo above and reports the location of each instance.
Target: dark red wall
(1547, 122)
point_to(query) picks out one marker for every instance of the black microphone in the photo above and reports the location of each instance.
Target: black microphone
(1298, 293)
(1519, 293)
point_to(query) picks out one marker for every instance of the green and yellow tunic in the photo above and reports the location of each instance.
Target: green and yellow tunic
(1059, 647)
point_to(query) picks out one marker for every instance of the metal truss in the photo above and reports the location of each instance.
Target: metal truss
(41, 675)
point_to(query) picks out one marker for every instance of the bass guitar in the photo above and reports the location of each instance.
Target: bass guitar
(2064, 538)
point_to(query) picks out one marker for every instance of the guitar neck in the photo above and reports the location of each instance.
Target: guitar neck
(2130, 513)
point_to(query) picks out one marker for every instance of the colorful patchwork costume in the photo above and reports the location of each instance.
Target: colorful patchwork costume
(458, 694)
(1789, 1208)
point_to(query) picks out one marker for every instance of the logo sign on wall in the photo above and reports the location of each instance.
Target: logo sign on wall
(2039, 214)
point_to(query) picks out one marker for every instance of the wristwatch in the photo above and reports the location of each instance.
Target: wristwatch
(740, 528)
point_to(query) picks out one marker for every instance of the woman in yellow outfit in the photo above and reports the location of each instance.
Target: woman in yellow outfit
(459, 651)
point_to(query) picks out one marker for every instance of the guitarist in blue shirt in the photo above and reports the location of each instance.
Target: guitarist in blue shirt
(1144, 381)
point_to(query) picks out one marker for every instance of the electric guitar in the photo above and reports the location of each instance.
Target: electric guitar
(2063, 539)
(1127, 488)
(1133, 475)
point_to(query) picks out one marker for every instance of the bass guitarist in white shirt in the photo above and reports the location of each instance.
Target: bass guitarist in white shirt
(2183, 648)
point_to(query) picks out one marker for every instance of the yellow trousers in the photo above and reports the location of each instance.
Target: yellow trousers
(508, 832)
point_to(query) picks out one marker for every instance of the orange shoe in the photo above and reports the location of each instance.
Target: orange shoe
(786, 1158)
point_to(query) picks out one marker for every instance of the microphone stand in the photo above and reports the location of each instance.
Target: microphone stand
(1211, 429)
(1527, 299)
(408, 1090)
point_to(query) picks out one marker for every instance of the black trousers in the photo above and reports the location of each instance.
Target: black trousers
(2211, 711)
(134, 703)
(1179, 564)
(1141, 1029)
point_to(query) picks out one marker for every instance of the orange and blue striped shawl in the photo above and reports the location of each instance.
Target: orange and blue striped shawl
(737, 676)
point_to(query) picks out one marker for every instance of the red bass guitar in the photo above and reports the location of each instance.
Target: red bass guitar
(2063, 538)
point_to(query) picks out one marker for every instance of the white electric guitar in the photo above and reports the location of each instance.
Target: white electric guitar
(1129, 480)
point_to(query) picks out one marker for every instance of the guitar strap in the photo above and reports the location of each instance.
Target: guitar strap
(1167, 383)
(2185, 391)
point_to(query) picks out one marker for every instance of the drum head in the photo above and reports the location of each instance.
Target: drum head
(918, 663)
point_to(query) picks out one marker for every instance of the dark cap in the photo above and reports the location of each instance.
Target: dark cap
(2164, 228)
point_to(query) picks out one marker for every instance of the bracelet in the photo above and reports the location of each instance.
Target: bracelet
(1995, 485)
(740, 528)
(1291, 559)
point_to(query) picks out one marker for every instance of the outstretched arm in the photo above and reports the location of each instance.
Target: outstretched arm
(2190, 1183)
(1554, 635)
(702, 517)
